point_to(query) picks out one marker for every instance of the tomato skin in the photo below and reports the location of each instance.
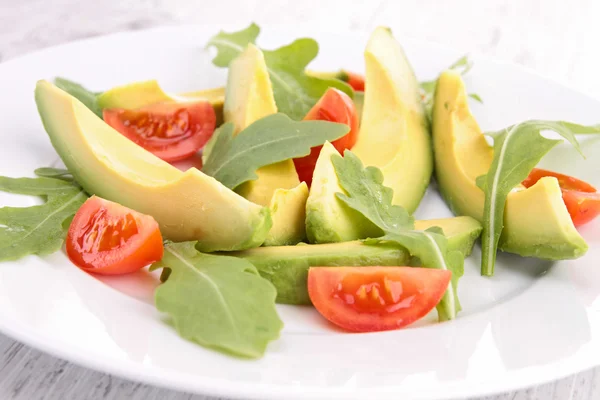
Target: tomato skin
(583, 206)
(110, 239)
(370, 299)
(356, 81)
(581, 198)
(335, 106)
(171, 131)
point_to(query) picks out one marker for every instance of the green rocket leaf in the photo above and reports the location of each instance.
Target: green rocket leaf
(367, 195)
(517, 150)
(235, 159)
(220, 302)
(37, 229)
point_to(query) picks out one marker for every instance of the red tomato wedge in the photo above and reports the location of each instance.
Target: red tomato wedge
(110, 239)
(356, 81)
(171, 131)
(335, 106)
(369, 299)
(581, 198)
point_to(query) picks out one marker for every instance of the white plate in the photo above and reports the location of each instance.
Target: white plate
(533, 322)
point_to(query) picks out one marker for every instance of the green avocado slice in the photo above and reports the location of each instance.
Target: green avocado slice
(287, 266)
(394, 130)
(187, 205)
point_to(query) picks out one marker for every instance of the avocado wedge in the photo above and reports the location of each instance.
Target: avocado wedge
(187, 205)
(287, 266)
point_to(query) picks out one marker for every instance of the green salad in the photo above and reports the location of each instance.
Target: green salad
(302, 190)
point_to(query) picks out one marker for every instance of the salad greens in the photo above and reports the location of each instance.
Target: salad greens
(368, 196)
(39, 229)
(517, 150)
(218, 301)
(48, 172)
(234, 159)
(87, 97)
(295, 92)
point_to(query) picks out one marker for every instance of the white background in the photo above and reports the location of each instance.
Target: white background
(558, 39)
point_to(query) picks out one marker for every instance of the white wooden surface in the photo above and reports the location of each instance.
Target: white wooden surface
(557, 38)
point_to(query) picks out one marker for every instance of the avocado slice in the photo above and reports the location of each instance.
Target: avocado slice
(187, 205)
(394, 132)
(328, 220)
(536, 221)
(287, 211)
(461, 232)
(141, 94)
(248, 98)
(287, 266)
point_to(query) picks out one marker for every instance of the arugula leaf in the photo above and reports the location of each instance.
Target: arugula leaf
(87, 97)
(462, 65)
(517, 150)
(368, 196)
(230, 45)
(220, 302)
(295, 92)
(235, 159)
(59, 173)
(37, 229)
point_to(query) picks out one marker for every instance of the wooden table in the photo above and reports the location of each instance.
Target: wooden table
(556, 38)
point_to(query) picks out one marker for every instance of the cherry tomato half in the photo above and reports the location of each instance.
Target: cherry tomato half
(369, 299)
(110, 239)
(581, 198)
(356, 81)
(171, 131)
(335, 106)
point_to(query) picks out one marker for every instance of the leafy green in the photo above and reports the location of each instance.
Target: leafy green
(37, 229)
(87, 97)
(48, 172)
(219, 302)
(230, 45)
(295, 92)
(462, 65)
(235, 159)
(517, 150)
(367, 195)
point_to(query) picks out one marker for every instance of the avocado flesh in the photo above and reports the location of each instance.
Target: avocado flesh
(328, 219)
(461, 232)
(394, 131)
(142, 94)
(287, 266)
(248, 98)
(536, 221)
(187, 205)
(287, 211)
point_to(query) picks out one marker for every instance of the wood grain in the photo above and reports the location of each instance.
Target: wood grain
(556, 38)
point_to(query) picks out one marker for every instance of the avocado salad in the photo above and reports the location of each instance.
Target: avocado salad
(301, 190)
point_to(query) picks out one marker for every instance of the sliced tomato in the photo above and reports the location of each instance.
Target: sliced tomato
(581, 198)
(335, 106)
(171, 131)
(369, 299)
(110, 239)
(356, 81)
